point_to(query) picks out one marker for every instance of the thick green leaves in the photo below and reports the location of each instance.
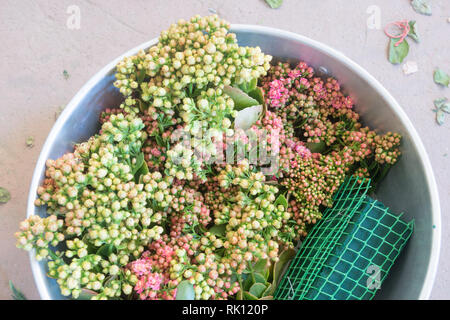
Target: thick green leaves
(422, 7)
(140, 168)
(281, 200)
(257, 94)
(249, 86)
(240, 98)
(139, 161)
(274, 4)
(249, 296)
(257, 289)
(442, 78)
(218, 230)
(262, 268)
(316, 147)
(285, 257)
(106, 250)
(86, 294)
(185, 291)
(398, 53)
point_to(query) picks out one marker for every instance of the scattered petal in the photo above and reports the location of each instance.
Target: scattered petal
(247, 117)
(410, 67)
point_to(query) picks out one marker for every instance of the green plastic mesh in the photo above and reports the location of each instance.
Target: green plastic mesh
(349, 252)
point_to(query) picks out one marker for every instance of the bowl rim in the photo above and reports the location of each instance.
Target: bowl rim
(427, 286)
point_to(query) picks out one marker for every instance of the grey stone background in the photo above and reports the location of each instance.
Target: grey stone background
(36, 46)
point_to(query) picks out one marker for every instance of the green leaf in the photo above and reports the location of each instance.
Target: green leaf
(269, 291)
(261, 267)
(439, 103)
(274, 4)
(139, 161)
(440, 77)
(141, 172)
(141, 75)
(422, 7)
(398, 53)
(240, 98)
(257, 289)
(281, 200)
(86, 294)
(5, 196)
(316, 147)
(257, 94)
(413, 31)
(106, 250)
(259, 278)
(440, 116)
(249, 296)
(285, 257)
(66, 74)
(248, 282)
(249, 86)
(446, 107)
(218, 230)
(185, 291)
(15, 293)
(142, 105)
(30, 142)
(266, 298)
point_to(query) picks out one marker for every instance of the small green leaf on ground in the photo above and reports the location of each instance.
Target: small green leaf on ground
(422, 7)
(440, 116)
(440, 77)
(66, 74)
(15, 293)
(58, 111)
(30, 142)
(398, 53)
(413, 31)
(442, 107)
(274, 4)
(5, 196)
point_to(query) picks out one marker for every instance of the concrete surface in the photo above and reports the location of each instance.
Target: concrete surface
(37, 45)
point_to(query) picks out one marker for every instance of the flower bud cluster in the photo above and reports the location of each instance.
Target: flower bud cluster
(253, 223)
(40, 233)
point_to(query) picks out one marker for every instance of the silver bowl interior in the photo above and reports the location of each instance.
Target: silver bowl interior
(409, 187)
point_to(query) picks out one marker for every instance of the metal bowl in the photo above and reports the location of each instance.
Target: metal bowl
(410, 186)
